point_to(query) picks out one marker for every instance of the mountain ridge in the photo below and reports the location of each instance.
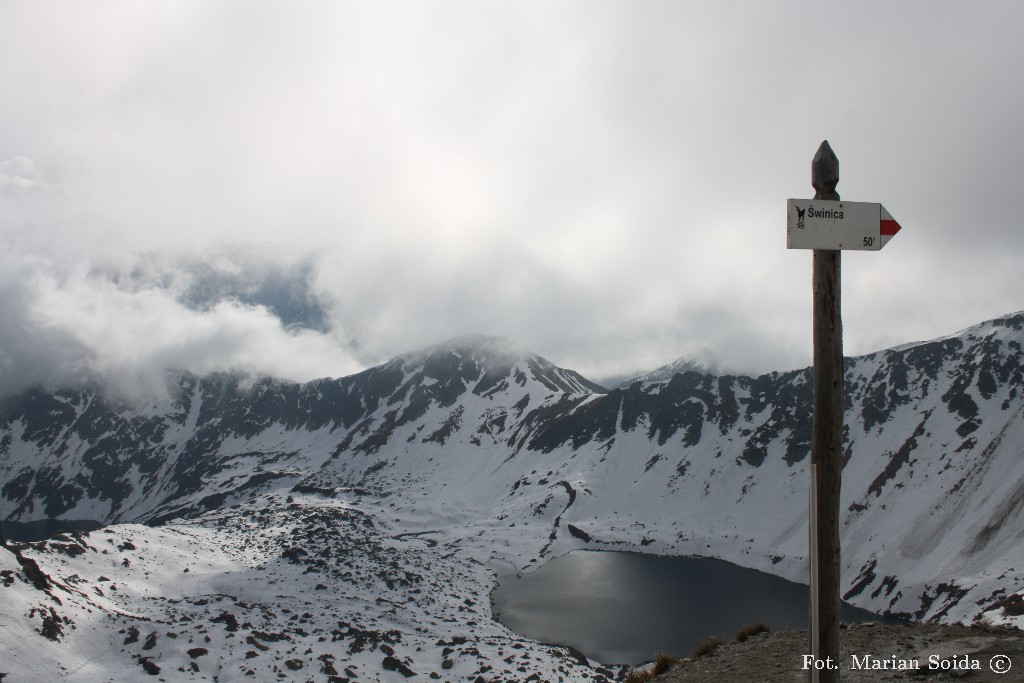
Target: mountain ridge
(493, 457)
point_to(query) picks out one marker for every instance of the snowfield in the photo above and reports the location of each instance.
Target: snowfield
(352, 529)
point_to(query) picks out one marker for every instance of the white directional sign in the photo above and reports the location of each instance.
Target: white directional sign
(823, 224)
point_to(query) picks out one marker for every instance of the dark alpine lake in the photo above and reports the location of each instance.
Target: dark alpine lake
(623, 608)
(29, 532)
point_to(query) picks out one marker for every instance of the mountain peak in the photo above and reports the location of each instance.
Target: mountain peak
(483, 362)
(482, 345)
(703, 362)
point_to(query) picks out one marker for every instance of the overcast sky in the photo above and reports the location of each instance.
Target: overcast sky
(602, 182)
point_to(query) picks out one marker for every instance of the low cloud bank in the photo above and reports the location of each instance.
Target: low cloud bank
(65, 323)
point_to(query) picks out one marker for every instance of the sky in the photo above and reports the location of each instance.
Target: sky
(603, 182)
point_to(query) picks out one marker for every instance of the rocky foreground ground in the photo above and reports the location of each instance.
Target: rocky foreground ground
(778, 657)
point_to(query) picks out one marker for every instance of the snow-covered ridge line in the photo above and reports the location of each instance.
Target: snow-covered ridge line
(476, 454)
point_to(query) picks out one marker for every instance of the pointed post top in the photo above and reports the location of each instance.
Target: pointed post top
(825, 173)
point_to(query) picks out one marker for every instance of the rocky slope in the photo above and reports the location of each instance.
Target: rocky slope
(870, 653)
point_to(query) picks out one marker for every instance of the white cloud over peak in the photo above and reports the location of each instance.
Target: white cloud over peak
(602, 182)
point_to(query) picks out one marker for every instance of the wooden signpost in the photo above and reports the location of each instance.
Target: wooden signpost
(828, 225)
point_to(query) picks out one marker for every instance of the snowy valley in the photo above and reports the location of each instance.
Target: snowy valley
(351, 529)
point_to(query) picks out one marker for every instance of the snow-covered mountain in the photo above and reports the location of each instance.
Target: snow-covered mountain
(703, 363)
(353, 527)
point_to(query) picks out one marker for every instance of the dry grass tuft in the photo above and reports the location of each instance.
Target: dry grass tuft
(662, 663)
(707, 647)
(752, 630)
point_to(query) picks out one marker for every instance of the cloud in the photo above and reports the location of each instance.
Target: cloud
(124, 319)
(601, 182)
(16, 175)
(128, 338)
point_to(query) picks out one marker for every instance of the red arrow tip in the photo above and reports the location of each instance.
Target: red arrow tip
(889, 227)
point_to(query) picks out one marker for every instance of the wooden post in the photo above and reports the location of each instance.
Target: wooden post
(827, 436)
